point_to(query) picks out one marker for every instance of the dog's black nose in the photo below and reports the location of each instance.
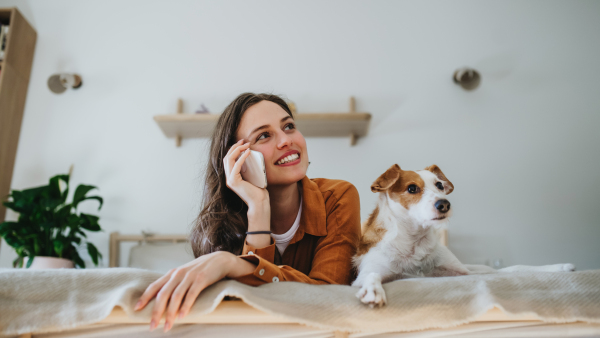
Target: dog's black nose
(442, 206)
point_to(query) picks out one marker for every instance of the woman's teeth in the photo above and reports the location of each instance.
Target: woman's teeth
(287, 159)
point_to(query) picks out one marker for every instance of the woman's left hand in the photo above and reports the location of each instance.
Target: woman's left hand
(188, 281)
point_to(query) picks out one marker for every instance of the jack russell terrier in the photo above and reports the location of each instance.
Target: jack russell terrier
(400, 238)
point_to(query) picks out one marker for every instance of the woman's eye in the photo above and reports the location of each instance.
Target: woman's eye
(290, 126)
(440, 186)
(412, 189)
(260, 137)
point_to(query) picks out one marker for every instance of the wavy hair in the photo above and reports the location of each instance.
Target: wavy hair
(223, 220)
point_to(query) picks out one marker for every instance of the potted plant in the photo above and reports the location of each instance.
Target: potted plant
(48, 226)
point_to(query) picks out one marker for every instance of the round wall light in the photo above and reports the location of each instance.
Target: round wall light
(59, 83)
(467, 78)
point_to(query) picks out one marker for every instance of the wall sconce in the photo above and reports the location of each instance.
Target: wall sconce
(58, 83)
(467, 78)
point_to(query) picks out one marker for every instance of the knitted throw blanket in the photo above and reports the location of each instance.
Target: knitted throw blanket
(51, 300)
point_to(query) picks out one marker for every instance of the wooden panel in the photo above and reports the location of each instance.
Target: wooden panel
(13, 90)
(14, 81)
(310, 124)
(20, 45)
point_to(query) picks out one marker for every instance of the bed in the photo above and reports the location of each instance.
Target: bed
(99, 302)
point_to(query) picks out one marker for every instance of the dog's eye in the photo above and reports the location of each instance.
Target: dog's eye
(412, 189)
(440, 186)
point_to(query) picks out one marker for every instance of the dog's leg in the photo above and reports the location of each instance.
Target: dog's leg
(446, 264)
(371, 291)
(371, 272)
(544, 268)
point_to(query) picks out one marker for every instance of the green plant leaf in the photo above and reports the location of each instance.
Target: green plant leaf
(14, 207)
(63, 213)
(90, 222)
(80, 192)
(58, 247)
(97, 198)
(29, 261)
(7, 227)
(73, 221)
(54, 187)
(94, 253)
(48, 225)
(18, 262)
(78, 261)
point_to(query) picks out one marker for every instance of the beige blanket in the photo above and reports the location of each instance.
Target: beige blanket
(50, 300)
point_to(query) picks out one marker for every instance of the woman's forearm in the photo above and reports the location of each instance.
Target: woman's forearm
(259, 219)
(240, 267)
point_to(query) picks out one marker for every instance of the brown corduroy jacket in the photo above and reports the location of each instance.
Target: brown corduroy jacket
(321, 250)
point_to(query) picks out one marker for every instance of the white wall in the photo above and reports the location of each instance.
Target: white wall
(522, 150)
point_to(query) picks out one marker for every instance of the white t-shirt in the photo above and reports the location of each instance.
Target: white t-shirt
(282, 241)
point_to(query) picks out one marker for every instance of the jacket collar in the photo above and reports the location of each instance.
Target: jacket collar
(313, 220)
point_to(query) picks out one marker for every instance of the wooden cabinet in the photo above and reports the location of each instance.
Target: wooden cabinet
(15, 70)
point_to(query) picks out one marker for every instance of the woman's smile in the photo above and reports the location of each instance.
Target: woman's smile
(288, 159)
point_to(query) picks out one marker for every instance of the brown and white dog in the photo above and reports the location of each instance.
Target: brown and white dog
(400, 237)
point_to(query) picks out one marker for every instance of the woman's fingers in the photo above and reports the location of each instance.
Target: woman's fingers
(175, 301)
(163, 297)
(232, 156)
(235, 145)
(237, 167)
(151, 291)
(232, 150)
(190, 297)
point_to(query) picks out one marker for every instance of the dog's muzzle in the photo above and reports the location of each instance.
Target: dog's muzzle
(442, 206)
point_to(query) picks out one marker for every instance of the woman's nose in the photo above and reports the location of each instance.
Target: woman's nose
(283, 140)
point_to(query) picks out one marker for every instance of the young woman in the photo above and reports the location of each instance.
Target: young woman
(297, 229)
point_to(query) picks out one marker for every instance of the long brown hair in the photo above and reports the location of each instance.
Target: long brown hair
(223, 220)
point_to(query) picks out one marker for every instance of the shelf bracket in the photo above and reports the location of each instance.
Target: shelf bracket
(179, 111)
(353, 136)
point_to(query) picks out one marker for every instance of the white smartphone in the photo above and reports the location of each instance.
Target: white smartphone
(253, 170)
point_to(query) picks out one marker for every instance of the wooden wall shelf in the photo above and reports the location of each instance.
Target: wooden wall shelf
(15, 71)
(352, 124)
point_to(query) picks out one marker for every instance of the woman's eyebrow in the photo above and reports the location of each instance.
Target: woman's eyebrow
(267, 126)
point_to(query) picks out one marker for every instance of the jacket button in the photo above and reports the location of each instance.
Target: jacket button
(250, 253)
(275, 279)
(261, 272)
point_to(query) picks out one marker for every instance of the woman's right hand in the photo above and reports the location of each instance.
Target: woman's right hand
(256, 198)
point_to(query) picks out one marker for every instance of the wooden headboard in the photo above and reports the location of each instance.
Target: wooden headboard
(116, 239)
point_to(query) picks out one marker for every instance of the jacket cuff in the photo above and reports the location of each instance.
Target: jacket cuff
(267, 252)
(265, 272)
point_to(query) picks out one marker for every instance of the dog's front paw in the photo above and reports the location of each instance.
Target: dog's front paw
(568, 267)
(561, 267)
(371, 292)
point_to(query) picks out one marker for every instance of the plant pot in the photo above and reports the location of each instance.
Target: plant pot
(41, 262)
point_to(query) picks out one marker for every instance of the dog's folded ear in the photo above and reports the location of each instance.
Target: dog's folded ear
(385, 181)
(448, 186)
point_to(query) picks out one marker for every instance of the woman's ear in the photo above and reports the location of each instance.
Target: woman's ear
(387, 179)
(448, 186)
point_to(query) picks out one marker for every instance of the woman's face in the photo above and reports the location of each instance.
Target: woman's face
(272, 131)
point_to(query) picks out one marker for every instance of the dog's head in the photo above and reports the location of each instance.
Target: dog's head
(418, 196)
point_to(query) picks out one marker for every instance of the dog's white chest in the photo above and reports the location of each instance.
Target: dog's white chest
(416, 260)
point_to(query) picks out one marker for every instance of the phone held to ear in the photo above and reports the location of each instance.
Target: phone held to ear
(253, 170)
